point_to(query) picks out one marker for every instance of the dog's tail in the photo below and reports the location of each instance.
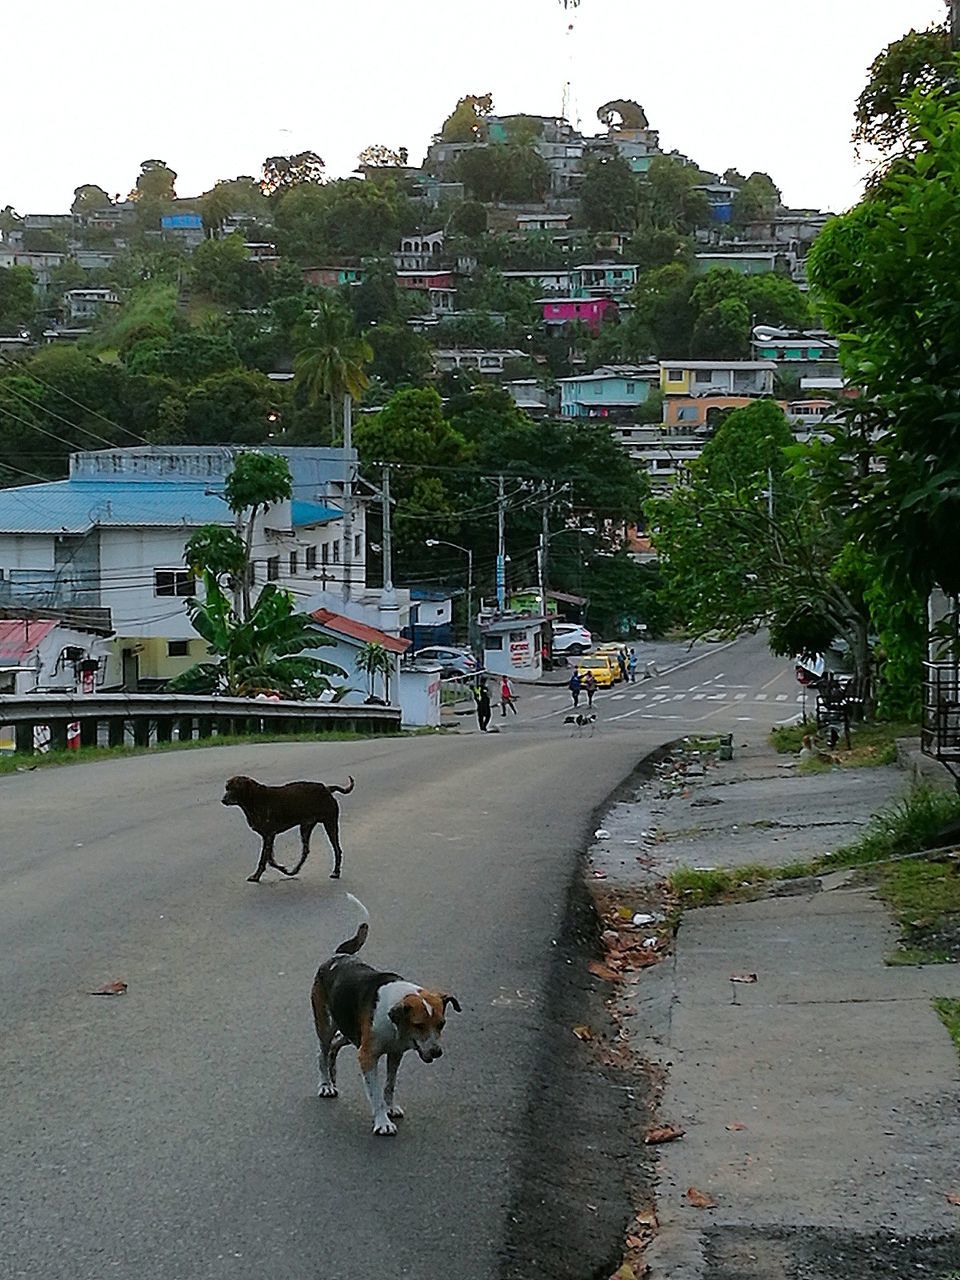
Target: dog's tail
(353, 945)
(344, 791)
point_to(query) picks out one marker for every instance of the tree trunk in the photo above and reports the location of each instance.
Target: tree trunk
(248, 565)
(955, 23)
(333, 420)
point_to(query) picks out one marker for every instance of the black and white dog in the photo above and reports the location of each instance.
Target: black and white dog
(380, 1013)
(581, 722)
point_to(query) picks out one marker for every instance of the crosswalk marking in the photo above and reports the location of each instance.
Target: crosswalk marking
(699, 697)
(782, 697)
(760, 697)
(739, 697)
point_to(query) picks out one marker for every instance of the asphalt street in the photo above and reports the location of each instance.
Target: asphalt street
(173, 1133)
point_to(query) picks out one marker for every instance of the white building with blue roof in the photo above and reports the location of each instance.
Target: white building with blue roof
(112, 536)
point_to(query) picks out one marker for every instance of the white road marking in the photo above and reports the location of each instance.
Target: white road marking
(782, 697)
(739, 697)
(761, 697)
(699, 697)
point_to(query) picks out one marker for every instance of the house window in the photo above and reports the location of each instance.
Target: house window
(493, 642)
(293, 564)
(311, 558)
(356, 546)
(174, 582)
(325, 553)
(704, 377)
(674, 375)
(631, 388)
(336, 553)
(273, 568)
(178, 648)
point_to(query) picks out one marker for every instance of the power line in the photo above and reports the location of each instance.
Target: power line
(85, 407)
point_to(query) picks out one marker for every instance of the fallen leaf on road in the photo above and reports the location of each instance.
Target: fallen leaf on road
(639, 959)
(583, 1033)
(663, 1133)
(699, 1199)
(953, 1197)
(735, 1127)
(601, 970)
(111, 989)
(743, 977)
(599, 875)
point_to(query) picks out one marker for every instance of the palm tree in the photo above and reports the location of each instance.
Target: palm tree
(330, 361)
(374, 660)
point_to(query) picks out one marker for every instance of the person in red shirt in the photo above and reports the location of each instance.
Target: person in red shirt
(507, 698)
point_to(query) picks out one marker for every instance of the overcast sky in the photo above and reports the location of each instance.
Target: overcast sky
(212, 88)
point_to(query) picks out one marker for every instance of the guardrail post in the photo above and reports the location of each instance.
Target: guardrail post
(23, 737)
(116, 731)
(89, 737)
(185, 729)
(58, 735)
(204, 726)
(141, 731)
(165, 728)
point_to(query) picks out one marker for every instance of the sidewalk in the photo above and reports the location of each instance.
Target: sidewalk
(820, 1104)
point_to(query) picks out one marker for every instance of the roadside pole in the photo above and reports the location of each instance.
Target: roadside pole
(501, 547)
(347, 557)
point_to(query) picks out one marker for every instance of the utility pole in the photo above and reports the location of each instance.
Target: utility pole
(388, 592)
(347, 557)
(501, 546)
(955, 23)
(770, 492)
(544, 547)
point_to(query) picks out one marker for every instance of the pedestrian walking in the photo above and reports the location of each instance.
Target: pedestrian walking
(574, 684)
(482, 698)
(507, 697)
(632, 661)
(590, 684)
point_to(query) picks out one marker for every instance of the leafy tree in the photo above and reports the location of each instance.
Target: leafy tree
(920, 60)
(744, 543)
(400, 356)
(609, 195)
(224, 272)
(9, 219)
(652, 247)
(381, 157)
(186, 356)
(283, 173)
(88, 198)
(232, 407)
(156, 181)
(346, 219)
(757, 199)
(885, 276)
(466, 123)
(664, 308)
(261, 653)
(331, 359)
(504, 171)
(722, 332)
(469, 219)
(623, 593)
(44, 240)
(670, 196)
(376, 299)
(623, 113)
(18, 300)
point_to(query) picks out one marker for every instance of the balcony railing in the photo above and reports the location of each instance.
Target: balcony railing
(940, 730)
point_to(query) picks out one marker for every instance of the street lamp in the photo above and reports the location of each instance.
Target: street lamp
(439, 542)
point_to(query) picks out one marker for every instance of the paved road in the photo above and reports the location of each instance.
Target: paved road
(173, 1133)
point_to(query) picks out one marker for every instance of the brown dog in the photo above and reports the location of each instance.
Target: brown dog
(271, 810)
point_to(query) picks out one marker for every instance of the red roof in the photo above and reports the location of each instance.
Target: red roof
(20, 636)
(359, 631)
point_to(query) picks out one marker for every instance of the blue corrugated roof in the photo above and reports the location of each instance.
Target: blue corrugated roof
(73, 506)
(172, 220)
(304, 513)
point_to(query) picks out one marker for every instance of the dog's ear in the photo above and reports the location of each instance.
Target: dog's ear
(398, 1014)
(448, 999)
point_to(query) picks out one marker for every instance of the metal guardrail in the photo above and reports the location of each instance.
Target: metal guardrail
(165, 717)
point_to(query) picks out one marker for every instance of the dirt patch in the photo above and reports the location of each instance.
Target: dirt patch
(735, 1253)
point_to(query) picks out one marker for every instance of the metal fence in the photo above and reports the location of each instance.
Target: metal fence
(940, 730)
(115, 719)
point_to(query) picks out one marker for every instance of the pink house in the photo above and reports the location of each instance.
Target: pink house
(591, 312)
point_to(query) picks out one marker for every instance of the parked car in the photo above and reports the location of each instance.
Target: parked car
(570, 637)
(453, 662)
(603, 666)
(612, 651)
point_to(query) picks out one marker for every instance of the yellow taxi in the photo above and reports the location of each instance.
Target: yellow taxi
(603, 667)
(612, 652)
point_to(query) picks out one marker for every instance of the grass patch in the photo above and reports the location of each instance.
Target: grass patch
(703, 887)
(925, 898)
(909, 826)
(870, 744)
(15, 762)
(949, 1013)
